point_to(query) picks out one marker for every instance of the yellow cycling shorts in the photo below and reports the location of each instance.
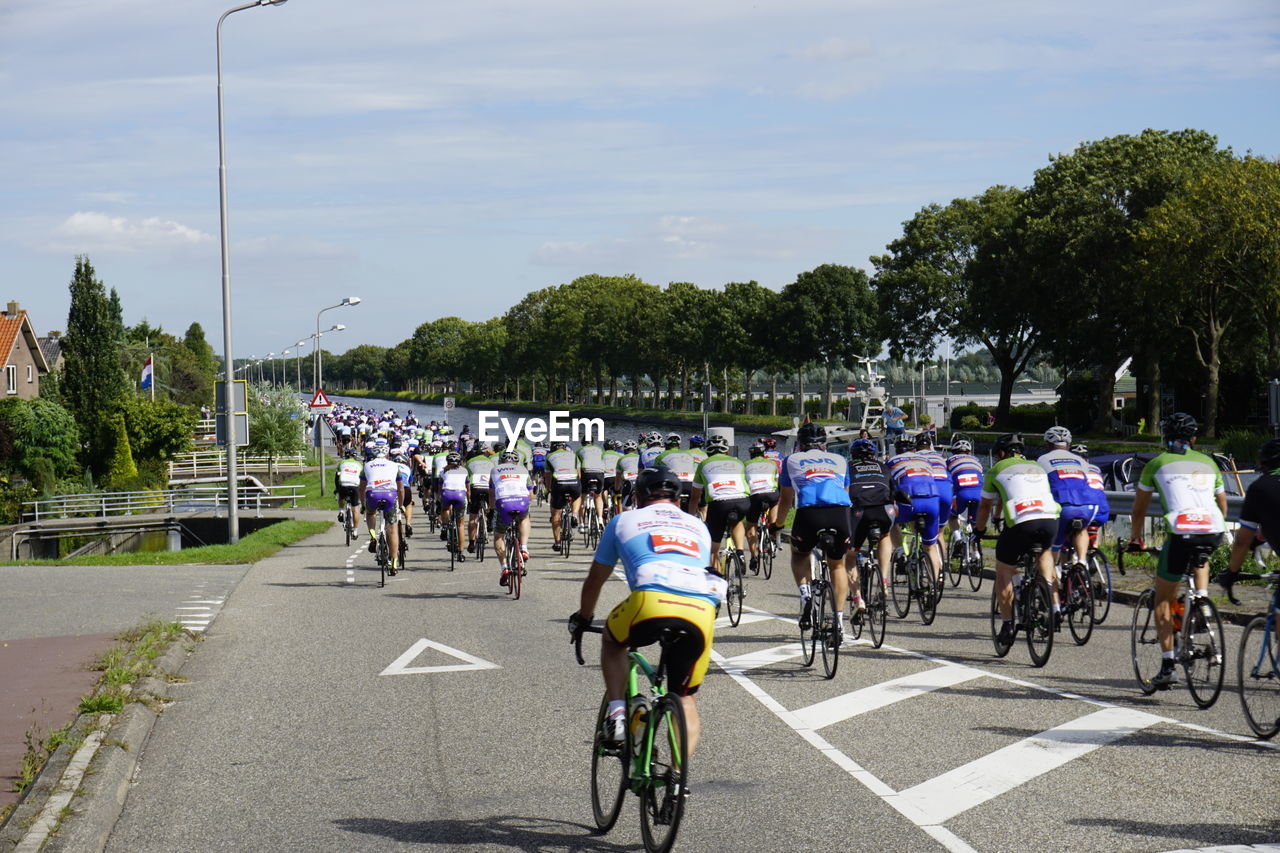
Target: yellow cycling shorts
(641, 618)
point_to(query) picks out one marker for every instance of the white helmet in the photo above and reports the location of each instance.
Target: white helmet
(1057, 435)
(962, 446)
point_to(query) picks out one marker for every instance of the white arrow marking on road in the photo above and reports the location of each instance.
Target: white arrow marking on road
(401, 664)
(885, 693)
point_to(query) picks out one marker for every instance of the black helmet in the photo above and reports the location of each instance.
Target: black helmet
(811, 435)
(904, 445)
(924, 441)
(755, 450)
(863, 448)
(1009, 443)
(654, 483)
(1179, 425)
(1269, 455)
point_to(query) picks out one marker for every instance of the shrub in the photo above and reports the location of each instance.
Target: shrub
(969, 423)
(1242, 445)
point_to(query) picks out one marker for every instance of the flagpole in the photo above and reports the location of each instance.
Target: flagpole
(151, 357)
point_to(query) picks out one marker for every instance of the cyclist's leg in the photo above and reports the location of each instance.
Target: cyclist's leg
(392, 516)
(838, 520)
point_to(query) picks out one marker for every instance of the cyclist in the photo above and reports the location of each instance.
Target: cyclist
(1030, 516)
(399, 457)
(1194, 501)
(479, 466)
(664, 554)
(915, 488)
(538, 460)
(1099, 488)
(696, 443)
(591, 464)
(762, 482)
(771, 451)
(561, 478)
(652, 447)
(612, 453)
(346, 486)
(454, 491)
(681, 462)
(1069, 481)
(872, 496)
(941, 476)
(509, 488)
(381, 486)
(966, 482)
(816, 482)
(439, 459)
(1260, 515)
(628, 470)
(723, 479)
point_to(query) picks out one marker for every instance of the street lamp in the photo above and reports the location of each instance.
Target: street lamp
(337, 327)
(350, 300)
(272, 358)
(233, 511)
(298, 346)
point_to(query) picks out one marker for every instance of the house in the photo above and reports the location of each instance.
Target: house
(24, 362)
(51, 347)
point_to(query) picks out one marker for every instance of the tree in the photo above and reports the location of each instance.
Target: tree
(754, 310)
(159, 429)
(41, 441)
(438, 346)
(950, 276)
(1216, 244)
(831, 316)
(275, 423)
(93, 382)
(120, 470)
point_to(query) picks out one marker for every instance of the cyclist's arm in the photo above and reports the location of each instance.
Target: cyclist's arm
(786, 497)
(984, 512)
(1141, 500)
(596, 577)
(695, 495)
(1240, 547)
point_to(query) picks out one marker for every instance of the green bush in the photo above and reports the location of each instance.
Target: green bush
(1030, 419)
(968, 410)
(1242, 445)
(121, 469)
(969, 423)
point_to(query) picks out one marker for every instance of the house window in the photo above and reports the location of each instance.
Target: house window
(1119, 403)
(30, 373)
(11, 377)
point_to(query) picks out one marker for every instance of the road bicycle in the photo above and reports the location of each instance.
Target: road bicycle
(482, 535)
(513, 570)
(381, 551)
(964, 557)
(1197, 632)
(451, 541)
(1100, 574)
(820, 611)
(1258, 661)
(566, 529)
(1032, 609)
(591, 525)
(1075, 594)
(766, 547)
(734, 569)
(872, 587)
(402, 545)
(348, 522)
(911, 577)
(651, 760)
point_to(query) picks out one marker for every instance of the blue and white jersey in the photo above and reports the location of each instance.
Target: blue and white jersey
(663, 549)
(1068, 478)
(383, 475)
(819, 478)
(648, 454)
(913, 473)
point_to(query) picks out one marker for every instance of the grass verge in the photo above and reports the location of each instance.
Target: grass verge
(252, 548)
(309, 485)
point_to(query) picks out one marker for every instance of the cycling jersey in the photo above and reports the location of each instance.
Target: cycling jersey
(1261, 502)
(438, 463)
(1022, 487)
(611, 458)
(454, 479)
(523, 451)
(721, 478)
(819, 478)
(382, 478)
(966, 476)
(699, 456)
(591, 458)
(508, 480)
(563, 465)
(1098, 486)
(869, 483)
(679, 461)
(1068, 478)
(913, 473)
(776, 457)
(478, 470)
(539, 457)
(648, 454)
(349, 471)
(941, 483)
(629, 466)
(1187, 484)
(661, 548)
(762, 475)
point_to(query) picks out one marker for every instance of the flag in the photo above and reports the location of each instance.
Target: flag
(148, 374)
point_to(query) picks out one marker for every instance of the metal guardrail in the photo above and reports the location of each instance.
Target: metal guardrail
(199, 499)
(1122, 504)
(210, 463)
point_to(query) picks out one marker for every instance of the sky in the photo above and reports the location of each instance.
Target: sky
(445, 159)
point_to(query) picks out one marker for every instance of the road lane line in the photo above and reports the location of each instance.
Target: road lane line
(747, 619)
(943, 797)
(764, 657)
(852, 704)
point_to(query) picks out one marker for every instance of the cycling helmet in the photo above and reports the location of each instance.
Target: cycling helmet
(1179, 425)
(499, 446)
(904, 445)
(1080, 450)
(924, 441)
(454, 458)
(1269, 455)
(755, 450)
(380, 452)
(717, 444)
(559, 445)
(631, 447)
(613, 444)
(962, 446)
(654, 439)
(673, 440)
(863, 448)
(696, 440)
(1057, 436)
(509, 456)
(1010, 443)
(350, 453)
(400, 459)
(770, 442)
(811, 435)
(656, 483)
(474, 452)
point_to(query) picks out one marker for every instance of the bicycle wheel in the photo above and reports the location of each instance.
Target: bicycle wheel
(857, 621)
(1100, 578)
(1144, 645)
(481, 540)
(973, 564)
(733, 595)
(1258, 674)
(403, 549)
(1081, 611)
(662, 795)
(826, 613)
(515, 579)
(955, 564)
(1203, 659)
(877, 607)
(451, 542)
(809, 636)
(926, 589)
(997, 621)
(767, 551)
(381, 555)
(900, 585)
(346, 523)
(1039, 620)
(566, 536)
(608, 774)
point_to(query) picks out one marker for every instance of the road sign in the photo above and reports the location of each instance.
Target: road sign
(239, 403)
(851, 388)
(242, 429)
(449, 403)
(320, 401)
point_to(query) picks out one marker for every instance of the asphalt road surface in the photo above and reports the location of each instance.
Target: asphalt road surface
(326, 713)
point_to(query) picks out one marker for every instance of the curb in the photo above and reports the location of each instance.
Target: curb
(100, 792)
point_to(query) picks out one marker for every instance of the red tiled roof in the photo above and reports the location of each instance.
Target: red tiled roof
(10, 328)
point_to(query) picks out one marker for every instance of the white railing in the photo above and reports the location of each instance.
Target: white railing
(211, 463)
(198, 499)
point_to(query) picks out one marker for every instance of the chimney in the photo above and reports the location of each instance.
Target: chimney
(54, 334)
(13, 309)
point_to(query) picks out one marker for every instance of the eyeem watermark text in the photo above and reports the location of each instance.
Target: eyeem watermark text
(559, 427)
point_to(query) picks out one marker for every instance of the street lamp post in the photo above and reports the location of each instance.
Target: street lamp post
(351, 300)
(298, 346)
(233, 511)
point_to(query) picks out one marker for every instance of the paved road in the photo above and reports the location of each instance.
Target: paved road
(292, 735)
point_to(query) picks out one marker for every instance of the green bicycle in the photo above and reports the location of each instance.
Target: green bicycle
(650, 760)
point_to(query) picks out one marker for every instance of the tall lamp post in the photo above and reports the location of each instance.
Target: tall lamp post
(350, 300)
(338, 327)
(298, 346)
(233, 510)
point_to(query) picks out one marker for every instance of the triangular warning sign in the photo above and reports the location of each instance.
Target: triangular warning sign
(320, 401)
(400, 666)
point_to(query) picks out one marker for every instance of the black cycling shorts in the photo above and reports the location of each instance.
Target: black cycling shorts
(563, 493)
(479, 501)
(610, 483)
(867, 517)
(718, 515)
(592, 482)
(761, 502)
(1017, 540)
(1175, 556)
(812, 519)
(349, 495)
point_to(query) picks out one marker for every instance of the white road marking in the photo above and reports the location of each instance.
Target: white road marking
(747, 619)
(764, 657)
(400, 666)
(885, 693)
(1232, 848)
(943, 797)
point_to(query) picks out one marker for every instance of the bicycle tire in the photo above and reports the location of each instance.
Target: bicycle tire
(766, 557)
(926, 589)
(973, 565)
(827, 612)
(609, 771)
(955, 565)
(809, 636)
(481, 541)
(733, 594)
(1144, 644)
(1100, 577)
(381, 556)
(1038, 611)
(877, 607)
(1258, 678)
(451, 542)
(1081, 609)
(403, 551)
(346, 524)
(997, 621)
(662, 796)
(515, 578)
(1203, 660)
(900, 585)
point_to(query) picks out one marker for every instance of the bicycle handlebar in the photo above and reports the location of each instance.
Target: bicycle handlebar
(576, 640)
(1123, 547)
(1228, 580)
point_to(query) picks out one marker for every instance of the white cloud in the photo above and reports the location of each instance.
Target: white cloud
(835, 49)
(87, 231)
